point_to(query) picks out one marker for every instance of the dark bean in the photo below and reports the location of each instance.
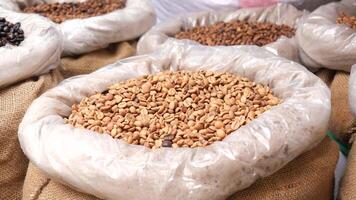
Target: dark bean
(10, 33)
(169, 137)
(167, 143)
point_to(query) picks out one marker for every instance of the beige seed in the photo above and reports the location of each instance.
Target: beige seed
(219, 124)
(220, 133)
(146, 87)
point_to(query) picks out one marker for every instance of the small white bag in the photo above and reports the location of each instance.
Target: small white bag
(279, 14)
(37, 54)
(352, 90)
(112, 169)
(85, 35)
(167, 9)
(323, 43)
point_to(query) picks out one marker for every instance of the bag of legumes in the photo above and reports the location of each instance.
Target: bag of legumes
(30, 46)
(327, 37)
(92, 24)
(272, 27)
(185, 122)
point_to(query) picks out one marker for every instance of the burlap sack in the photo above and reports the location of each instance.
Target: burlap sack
(38, 186)
(310, 176)
(323, 43)
(87, 63)
(14, 101)
(348, 183)
(342, 122)
(304, 113)
(278, 14)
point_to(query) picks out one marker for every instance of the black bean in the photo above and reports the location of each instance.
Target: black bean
(167, 143)
(10, 33)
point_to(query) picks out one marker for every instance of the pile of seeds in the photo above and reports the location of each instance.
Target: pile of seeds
(59, 12)
(237, 33)
(10, 33)
(174, 109)
(348, 20)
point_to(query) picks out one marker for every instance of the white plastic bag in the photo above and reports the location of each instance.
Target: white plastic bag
(352, 90)
(112, 169)
(85, 35)
(279, 14)
(323, 43)
(37, 54)
(167, 9)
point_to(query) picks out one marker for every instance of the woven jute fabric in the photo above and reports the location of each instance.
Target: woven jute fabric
(38, 187)
(14, 101)
(348, 183)
(342, 122)
(310, 176)
(87, 63)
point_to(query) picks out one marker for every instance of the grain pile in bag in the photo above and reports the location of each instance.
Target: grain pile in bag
(31, 48)
(110, 169)
(280, 14)
(326, 43)
(82, 35)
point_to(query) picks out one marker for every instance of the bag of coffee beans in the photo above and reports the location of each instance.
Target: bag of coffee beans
(327, 37)
(94, 24)
(271, 27)
(29, 45)
(111, 165)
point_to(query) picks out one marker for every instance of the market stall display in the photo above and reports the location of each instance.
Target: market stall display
(95, 28)
(324, 39)
(271, 27)
(255, 150)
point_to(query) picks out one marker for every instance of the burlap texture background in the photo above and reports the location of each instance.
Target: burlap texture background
(14, 101)
(348, 184)
(87, 63)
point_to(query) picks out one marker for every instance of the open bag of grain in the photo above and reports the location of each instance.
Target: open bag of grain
(177, 138)
(29, 46)
(93, 24)
(272, 27)
(327, 37)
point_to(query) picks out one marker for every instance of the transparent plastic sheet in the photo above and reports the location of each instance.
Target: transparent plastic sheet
(167, 9)
(37, 54)
(323, 43)
(85, 35)
(352, 90)
(279, 14)
(112, 169)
